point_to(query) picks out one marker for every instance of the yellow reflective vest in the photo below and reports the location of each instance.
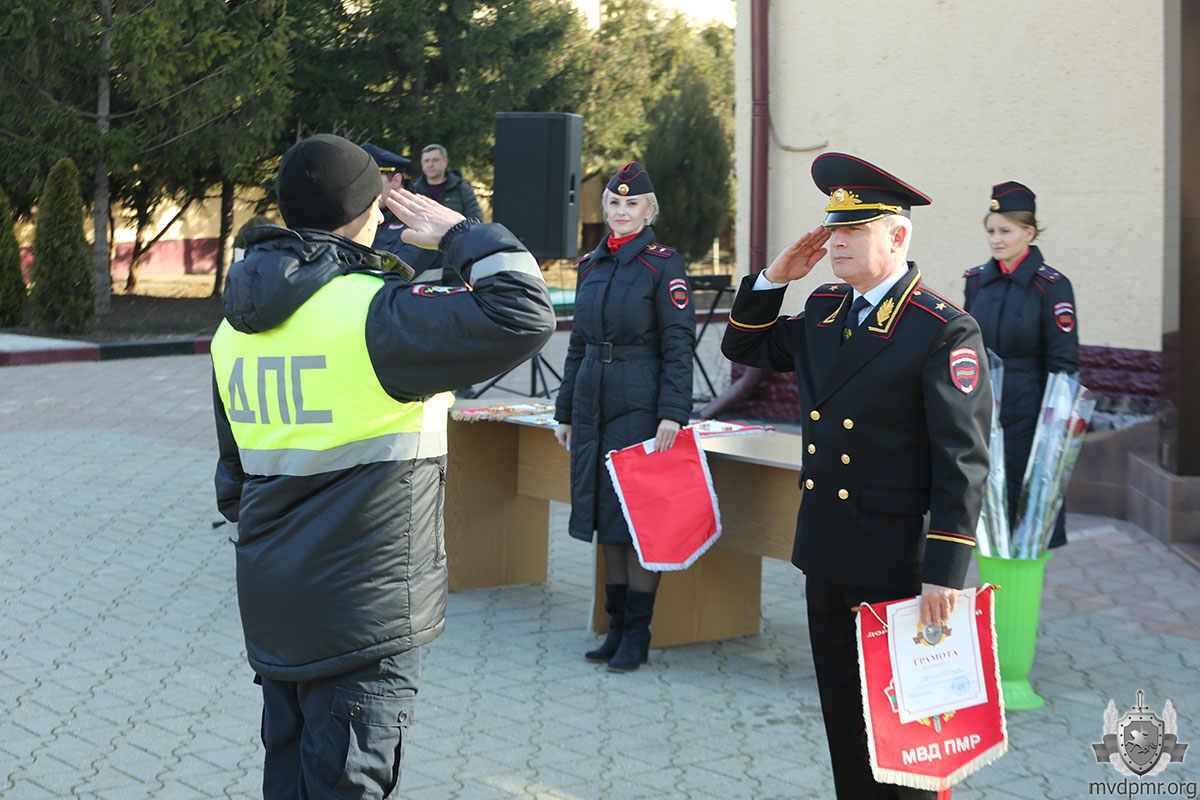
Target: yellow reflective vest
(303, 398)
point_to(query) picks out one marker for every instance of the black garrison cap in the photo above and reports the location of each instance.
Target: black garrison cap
(860, 191)
(631, 179)
(1012, 196)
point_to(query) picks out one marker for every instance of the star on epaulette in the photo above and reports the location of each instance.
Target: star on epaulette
(935, 304)
(1049, 274)
(584, 257)
(832, 287)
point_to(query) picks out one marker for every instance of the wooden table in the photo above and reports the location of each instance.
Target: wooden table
(502, 475)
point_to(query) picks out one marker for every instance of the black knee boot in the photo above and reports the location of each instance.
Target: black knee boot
(635, 641)
(615, 606)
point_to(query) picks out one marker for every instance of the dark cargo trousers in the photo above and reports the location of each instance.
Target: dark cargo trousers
(341, 736)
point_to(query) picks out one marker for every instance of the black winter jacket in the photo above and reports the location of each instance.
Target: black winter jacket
(458, 194)
(614, 397)
(1028, 318)
(342, 568)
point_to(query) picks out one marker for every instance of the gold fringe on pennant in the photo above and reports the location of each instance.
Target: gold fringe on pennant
(928, 782)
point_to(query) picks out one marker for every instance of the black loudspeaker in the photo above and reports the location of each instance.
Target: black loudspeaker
(536, 186)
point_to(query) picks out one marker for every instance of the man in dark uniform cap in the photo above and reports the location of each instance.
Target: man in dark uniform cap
(897, 411)
(387, 237)
(391, 175)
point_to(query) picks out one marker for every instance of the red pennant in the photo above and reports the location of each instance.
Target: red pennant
(931, 753)
(668, 500)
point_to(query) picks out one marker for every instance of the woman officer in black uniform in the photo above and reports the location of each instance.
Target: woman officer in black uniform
(1026, 311)
(628, 378)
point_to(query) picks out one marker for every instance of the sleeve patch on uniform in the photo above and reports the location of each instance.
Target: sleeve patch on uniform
(678, 289)
(1064, 316)
(964, 369)
(434, 290)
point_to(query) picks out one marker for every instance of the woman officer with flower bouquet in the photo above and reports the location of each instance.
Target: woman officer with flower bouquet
(1026, 311)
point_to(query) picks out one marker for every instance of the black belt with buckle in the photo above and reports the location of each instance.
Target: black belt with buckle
(607, 352)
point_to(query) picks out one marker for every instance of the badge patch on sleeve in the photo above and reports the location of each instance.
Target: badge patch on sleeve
(1064, 316)
(433, 290)
(678, 289)
(964, 369)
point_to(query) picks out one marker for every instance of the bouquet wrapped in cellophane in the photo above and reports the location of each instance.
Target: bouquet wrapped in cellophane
(992, 536)
(1067, 408)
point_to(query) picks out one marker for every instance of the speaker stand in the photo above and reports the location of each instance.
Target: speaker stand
(537, 372)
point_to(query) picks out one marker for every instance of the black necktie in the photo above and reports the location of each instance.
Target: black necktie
(856, 309)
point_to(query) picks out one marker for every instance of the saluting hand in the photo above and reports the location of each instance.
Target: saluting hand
(427, 219)
(936, 603)
(798, 259)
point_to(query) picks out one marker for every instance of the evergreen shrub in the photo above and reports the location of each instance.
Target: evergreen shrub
(63, 296)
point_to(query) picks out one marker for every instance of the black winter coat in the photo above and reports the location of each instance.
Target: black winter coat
(1028, 319)
(458, 194)
(615, 396)
(341, 568)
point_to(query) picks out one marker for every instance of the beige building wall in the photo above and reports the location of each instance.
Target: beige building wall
(954, 96)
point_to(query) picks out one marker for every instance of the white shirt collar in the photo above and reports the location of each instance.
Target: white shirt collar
(876, 295)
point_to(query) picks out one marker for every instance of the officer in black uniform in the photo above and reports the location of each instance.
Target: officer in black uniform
(426, 264)
(1026, 311)
(897, 411)
(627, 378)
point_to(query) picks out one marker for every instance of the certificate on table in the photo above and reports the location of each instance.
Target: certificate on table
(937, 668)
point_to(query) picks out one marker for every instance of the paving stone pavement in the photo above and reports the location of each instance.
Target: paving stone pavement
(123, 673)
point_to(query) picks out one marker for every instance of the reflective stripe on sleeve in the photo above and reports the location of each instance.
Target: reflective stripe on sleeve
(504, 262)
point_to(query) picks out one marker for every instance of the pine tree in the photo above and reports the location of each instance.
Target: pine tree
(688, 156)
(63, 294)
(12, 284)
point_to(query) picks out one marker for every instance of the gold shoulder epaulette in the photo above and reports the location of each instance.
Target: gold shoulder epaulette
(935, 304)
(1049, 273)
(660, 250)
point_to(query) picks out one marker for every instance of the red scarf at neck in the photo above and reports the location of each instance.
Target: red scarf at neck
(1007, 270)
(616, 242)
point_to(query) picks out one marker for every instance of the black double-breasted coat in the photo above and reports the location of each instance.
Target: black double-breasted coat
(629, 366)
(1028, 318)
(895, 425)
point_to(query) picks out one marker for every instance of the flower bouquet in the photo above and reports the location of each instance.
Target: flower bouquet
(1018, 563)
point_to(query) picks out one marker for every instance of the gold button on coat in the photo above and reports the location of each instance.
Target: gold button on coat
(814, 414)
(843, 494)
(812, 448)
(845, 458)
(808, 484)
(847, 423)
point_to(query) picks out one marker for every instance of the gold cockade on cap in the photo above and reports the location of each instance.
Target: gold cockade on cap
(845, 200)
(995, 204)
(623, 188)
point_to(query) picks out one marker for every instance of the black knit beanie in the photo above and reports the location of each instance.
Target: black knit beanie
(324, 182)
